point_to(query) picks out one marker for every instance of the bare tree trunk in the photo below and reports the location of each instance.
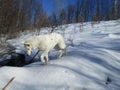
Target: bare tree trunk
(116, 9)
(19, 12)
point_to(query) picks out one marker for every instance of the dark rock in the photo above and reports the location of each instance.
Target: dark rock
(108, 81)
(17, 59)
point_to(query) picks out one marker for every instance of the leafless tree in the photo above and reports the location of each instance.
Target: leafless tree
(70, 13)
(116, 8)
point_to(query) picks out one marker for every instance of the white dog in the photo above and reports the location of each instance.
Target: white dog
(45, 43)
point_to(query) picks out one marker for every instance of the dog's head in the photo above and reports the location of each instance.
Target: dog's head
(28, 47)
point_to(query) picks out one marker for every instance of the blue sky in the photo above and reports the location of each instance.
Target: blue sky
(49, 5)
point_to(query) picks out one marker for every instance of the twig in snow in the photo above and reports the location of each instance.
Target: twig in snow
(8, 83)
(34, 57)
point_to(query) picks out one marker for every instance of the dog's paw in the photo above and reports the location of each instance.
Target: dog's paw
(59, 57)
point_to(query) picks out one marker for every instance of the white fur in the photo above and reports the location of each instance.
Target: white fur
(45, 43)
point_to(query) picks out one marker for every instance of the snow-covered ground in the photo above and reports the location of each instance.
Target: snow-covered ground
(92, 60)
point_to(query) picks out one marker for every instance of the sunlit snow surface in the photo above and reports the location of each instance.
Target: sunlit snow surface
(93, 55)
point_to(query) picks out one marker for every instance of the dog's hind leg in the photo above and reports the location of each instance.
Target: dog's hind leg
(60, 54)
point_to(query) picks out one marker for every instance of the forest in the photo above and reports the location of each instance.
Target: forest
(21, 15)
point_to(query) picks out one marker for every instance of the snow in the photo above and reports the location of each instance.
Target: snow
(93, 55)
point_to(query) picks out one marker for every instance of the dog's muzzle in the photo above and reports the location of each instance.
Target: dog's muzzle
(29, 52)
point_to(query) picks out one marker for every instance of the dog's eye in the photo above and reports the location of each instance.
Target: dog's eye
(27, 45)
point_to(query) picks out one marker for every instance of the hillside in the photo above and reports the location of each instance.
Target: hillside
(92, 61)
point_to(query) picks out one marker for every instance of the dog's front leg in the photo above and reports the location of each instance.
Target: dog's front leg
(42, 58)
